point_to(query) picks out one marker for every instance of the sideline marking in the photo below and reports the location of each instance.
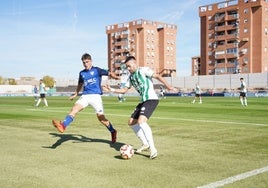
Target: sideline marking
(233, 179)
(211, 121)
(169, 118)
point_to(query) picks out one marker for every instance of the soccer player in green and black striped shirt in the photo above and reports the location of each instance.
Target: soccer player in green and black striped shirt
(141, 79)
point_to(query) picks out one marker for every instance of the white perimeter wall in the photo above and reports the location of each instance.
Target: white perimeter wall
(231, 81)
(16, 89)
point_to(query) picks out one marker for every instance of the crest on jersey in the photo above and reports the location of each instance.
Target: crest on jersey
(92, 72)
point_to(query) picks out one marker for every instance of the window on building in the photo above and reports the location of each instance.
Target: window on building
(245, 60)
(232, 32)
(245, 70)
(246, 10)
(203, 9)
(220, 61)
(220, 70)
(219, 52)
(231, 69)
(209, 35)
(246, 30)
(220, 33)
(244, 50)
(231, 51)
(245, 20)
(221, 42)
(210, 26)
(210, 7)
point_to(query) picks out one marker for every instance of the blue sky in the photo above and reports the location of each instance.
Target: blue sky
(48, 37)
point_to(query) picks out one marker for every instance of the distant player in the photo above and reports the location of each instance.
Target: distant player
(243, 92)
(123, 79)
(90, 80)
(162, 92)
(35, 91)
(197, 91)
(42, 91)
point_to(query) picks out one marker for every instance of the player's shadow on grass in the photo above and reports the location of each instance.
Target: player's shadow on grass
(78, 138)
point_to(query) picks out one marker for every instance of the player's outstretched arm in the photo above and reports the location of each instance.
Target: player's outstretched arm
(163, 81)
(107, 88)
(78, 89)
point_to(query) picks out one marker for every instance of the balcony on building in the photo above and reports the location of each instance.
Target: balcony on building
(245, 39)
(219, 17)
(220, 35)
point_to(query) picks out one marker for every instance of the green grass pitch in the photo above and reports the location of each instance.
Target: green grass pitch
(198, 144)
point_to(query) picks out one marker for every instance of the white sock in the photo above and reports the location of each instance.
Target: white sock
(140, 134)
(45, 101)
(245, 102)
(148, 134)
(241, 100)
(38, 102)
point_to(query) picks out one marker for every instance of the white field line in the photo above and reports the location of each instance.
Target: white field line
(167, 118)
(235, 178)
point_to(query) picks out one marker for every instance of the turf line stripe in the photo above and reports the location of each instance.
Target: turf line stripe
(169, 118)
(211, 121)
(233, 179)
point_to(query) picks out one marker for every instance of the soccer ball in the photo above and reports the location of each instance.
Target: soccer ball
(126, 151)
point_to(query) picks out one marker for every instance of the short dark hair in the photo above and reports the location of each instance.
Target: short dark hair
(129, 58)
(241, 78)
(86, 56)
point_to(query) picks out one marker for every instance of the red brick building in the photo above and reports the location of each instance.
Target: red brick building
(234, 37)
(152, 43)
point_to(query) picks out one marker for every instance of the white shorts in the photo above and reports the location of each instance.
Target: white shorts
(94, 100)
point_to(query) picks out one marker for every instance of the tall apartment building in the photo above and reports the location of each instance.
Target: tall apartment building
(234, 37)
(152, 43)
(196, 65)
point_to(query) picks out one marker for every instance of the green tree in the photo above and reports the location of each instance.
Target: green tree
(12, 81)
(49, 81)
(1, 80)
